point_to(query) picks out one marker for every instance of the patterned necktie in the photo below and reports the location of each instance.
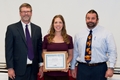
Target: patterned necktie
(29, 44)
(88, 47)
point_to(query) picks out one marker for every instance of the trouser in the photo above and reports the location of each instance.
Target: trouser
(27, 76)
(47, 77)
(91, 72)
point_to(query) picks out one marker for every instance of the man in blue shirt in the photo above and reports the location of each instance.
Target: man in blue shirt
(102, 50)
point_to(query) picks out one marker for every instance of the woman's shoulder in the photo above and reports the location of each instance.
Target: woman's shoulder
(69, 36)
(46, 36)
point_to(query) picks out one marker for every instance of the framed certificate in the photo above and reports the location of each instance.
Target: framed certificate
(55, 60)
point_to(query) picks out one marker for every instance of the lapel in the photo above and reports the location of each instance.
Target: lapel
(20, 30)
(32, 31)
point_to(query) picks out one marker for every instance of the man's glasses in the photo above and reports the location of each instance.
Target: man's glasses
(25, 11)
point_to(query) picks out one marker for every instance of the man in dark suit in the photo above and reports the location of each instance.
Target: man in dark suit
(19, 41)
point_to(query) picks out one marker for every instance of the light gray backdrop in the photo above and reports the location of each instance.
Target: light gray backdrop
(73, 11)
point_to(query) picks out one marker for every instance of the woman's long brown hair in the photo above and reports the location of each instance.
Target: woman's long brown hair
(63, 32)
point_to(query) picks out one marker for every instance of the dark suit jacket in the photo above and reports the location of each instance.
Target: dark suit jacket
(16, 48)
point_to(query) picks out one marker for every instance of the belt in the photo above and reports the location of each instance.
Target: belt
(92, 64)
(29, 65)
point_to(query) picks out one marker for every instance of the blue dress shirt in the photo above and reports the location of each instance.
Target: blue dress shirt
(103, 47)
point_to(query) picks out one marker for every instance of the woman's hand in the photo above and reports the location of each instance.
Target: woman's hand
(67, 68)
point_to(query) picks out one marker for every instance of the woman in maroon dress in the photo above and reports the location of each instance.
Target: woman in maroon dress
(58, 40)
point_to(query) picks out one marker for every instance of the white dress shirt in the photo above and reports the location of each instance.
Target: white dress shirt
(29, 28)
(103, 47)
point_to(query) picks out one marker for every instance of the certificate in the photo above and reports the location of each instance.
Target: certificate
(55, 60)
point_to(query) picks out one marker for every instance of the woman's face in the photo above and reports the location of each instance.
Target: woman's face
(58, 25)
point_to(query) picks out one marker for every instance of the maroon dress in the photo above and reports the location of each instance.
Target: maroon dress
(57, 47)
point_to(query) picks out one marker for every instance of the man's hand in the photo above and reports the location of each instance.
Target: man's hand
(41, 71)
(11, 73)
(109, 73)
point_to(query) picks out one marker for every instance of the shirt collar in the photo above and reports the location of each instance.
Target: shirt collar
(94, 29)
(25, 24)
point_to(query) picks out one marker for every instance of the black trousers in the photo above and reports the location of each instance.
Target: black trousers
(27, 76)
(86, 72)
(47, 77)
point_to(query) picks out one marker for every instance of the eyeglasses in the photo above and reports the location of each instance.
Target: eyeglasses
(25, 11)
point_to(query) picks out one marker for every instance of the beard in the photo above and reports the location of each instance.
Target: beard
(26, 18)
(91, 24)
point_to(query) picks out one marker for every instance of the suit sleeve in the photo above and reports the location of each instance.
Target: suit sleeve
(40, 46)
(9, 47)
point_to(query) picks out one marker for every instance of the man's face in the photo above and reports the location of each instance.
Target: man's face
(25, 14)
(91, 20)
